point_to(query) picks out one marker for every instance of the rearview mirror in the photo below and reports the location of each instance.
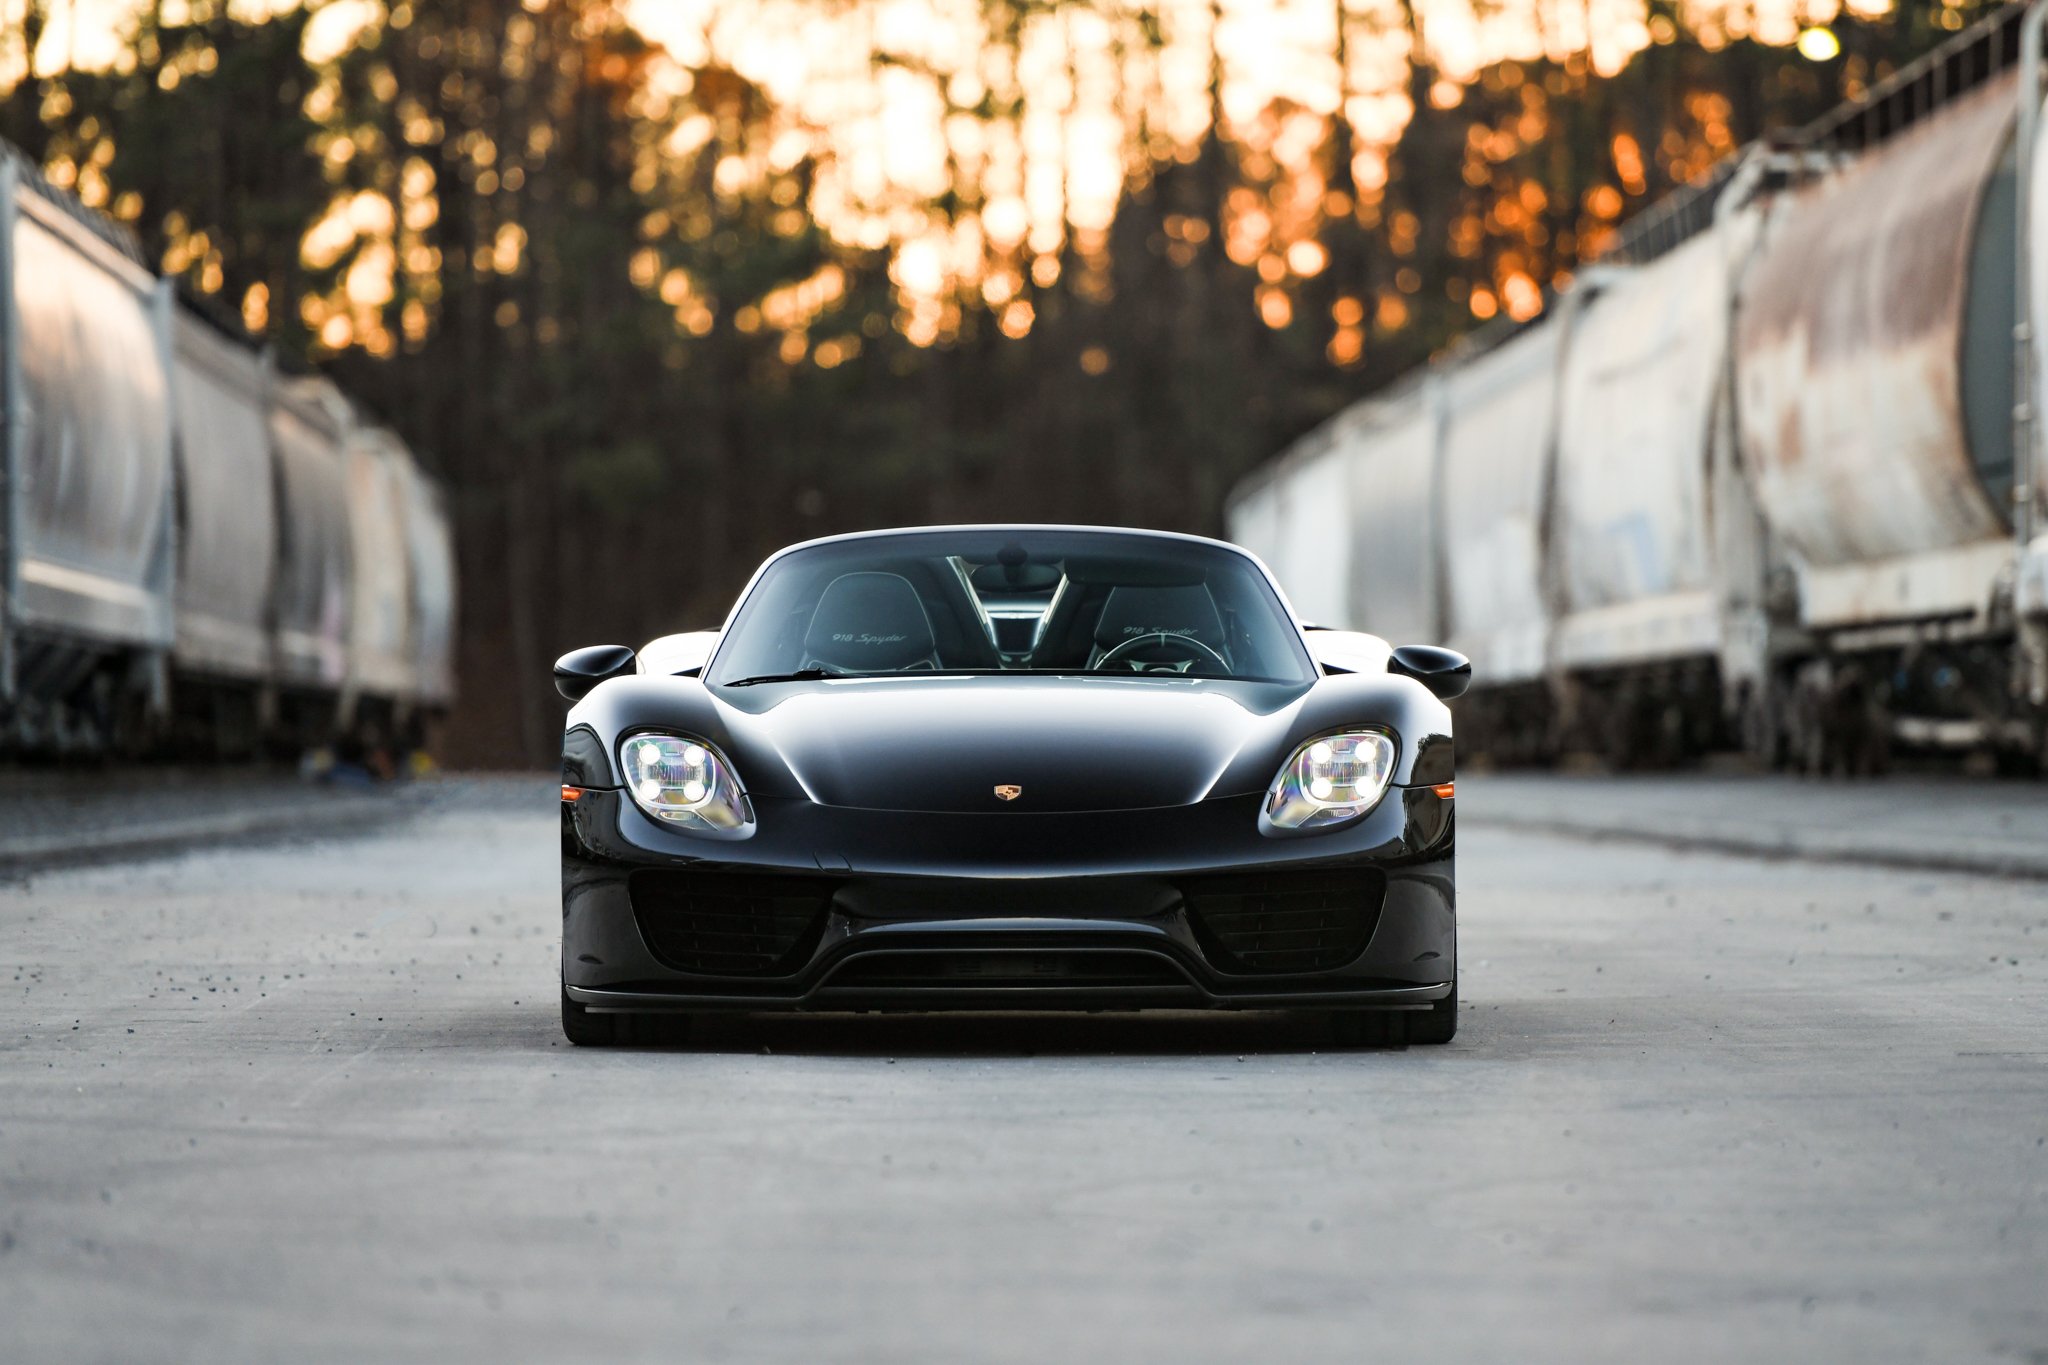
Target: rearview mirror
(582, 669)
(1445, 672)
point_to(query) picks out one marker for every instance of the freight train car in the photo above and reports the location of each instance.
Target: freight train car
(227, 537)
(1492, 495)
(1646, 504)
(1752, 479)
(430, 556)
(1876, 392)
(85, 457)
(196, 557)
(1350, 506)
(382, 686)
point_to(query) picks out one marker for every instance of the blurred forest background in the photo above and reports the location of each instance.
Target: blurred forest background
(657, 286)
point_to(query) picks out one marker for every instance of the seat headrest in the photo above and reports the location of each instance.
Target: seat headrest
(1184, 609)
(870, 622)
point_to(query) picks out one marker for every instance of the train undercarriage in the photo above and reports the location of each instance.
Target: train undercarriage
(75, 699)
(1847, 706)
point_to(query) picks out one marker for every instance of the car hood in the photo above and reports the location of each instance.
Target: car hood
(1068, 744)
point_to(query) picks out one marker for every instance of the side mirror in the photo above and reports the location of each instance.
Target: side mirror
(1443, 671)
(582, 669)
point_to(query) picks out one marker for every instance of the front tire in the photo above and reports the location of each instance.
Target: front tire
(590, 1028)
(586, 1029)
(1366, 1028)
(1393, 1028)
(1439, 1025)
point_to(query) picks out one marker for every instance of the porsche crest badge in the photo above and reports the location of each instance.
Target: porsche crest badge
(1008, 791)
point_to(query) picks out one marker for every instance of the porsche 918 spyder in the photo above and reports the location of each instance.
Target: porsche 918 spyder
(1010, 767)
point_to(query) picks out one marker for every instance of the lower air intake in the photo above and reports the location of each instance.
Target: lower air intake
(967, 969)
(721, 924)
(1285, 921)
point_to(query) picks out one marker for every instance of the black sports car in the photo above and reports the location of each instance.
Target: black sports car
(1001, 767)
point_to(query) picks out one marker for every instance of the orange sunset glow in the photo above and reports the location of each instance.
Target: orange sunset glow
(891, 104)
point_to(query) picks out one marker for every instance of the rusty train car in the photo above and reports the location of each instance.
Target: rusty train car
(198, 555)
(1767, 476)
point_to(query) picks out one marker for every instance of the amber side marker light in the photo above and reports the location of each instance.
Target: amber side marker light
(572, 793)
(1443, 789)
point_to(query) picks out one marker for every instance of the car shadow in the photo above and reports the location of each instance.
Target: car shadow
(994, 1035)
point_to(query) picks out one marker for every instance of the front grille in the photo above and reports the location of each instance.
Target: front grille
(1311, 921)
(722, 924)
(971, 969)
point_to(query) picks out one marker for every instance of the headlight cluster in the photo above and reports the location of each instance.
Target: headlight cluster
(1331, 780)
(683, 781)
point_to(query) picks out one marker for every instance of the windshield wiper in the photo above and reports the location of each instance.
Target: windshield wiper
(801, 675)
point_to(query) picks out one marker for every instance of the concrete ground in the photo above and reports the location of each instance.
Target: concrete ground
(309, 1102)
(55, 816)
(1918, 822)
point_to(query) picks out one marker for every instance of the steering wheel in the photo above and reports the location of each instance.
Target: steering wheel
(1165, 648)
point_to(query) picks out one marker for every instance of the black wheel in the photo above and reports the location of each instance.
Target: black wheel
(585, 1029)
(1439, 1025)
(1366, 1028)
(589, 1028)
(1391, 1028)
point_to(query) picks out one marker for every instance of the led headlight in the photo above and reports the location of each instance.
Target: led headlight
(1331, 779)
(683, 781)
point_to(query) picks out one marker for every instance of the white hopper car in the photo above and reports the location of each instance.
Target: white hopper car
(197, 556)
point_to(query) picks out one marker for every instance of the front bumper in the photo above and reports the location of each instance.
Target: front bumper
(830, 909)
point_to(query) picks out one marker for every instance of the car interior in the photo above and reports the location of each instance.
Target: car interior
(902, 613)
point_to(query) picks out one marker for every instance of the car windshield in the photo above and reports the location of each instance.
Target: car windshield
(1003, 600)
